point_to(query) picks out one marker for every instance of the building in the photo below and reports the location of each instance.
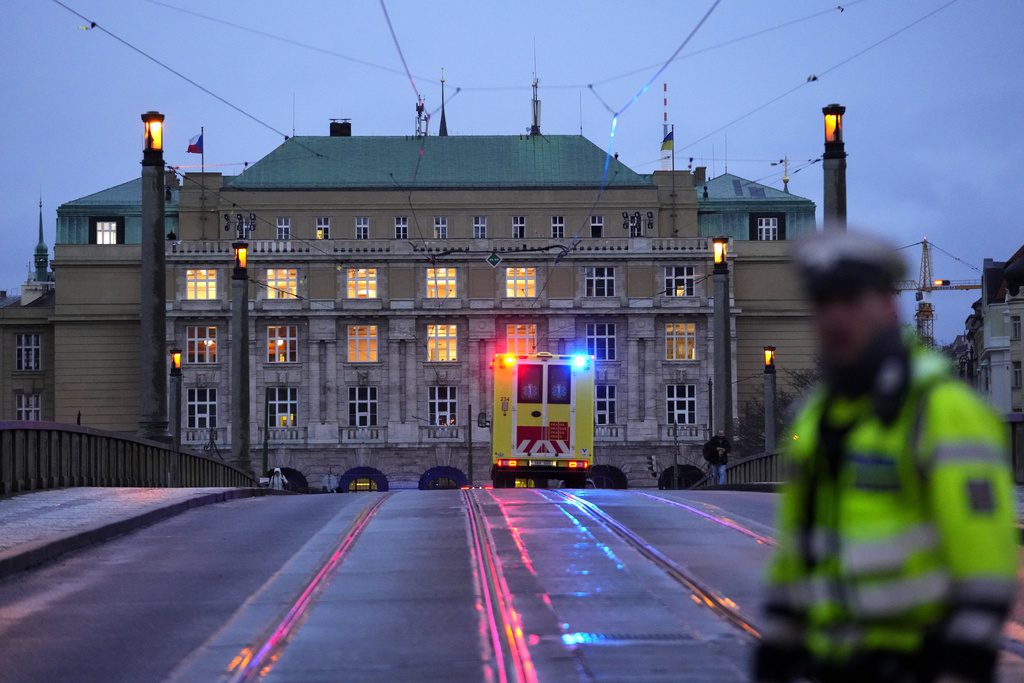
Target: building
(386, 272)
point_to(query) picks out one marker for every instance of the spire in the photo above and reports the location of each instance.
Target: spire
(442, 130)
(41, 259)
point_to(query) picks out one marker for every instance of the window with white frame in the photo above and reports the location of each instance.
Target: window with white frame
(680, 281)
(681, 341)
(604, 404)
(479, 227)
(362, 343)
(362, 406)
(201, 404)
(440, 227)
(520, 338)
(681, 404)
(442, 343)
(1014, 328)
(284, 228)
(282, 283)
(520, 282)
(106, 232)
(1018, 379)
(282, 406)
(200, 284)
(441, 283)
(601, 340)
(362, 227)
(27, 407)
(27, 351)
(600, 281)
(401, 227)
(443, 405)
(323, 227)
(200, 344)
(597, 226)
(557, 227)
(768, 228)
(282, 344)
(361, 283)
(518, 227)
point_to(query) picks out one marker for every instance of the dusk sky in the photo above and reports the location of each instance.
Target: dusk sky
(931, 125)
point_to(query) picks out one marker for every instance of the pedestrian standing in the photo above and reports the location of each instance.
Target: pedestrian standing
(716, 452)
(277, 480)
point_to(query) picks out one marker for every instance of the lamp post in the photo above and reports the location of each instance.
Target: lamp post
(834, 169)
(722, 339)
(770, 408)
(175, 411)
(153, 287)
(240, 356)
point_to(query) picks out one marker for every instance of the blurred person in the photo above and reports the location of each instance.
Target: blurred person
(277, 480)
(716, 452)
(897, 549)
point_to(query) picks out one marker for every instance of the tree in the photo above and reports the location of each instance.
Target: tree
(792, 392)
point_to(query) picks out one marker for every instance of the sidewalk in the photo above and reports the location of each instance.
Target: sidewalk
(37, 527)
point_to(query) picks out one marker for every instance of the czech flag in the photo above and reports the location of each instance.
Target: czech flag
(195, 145)
(666, 144)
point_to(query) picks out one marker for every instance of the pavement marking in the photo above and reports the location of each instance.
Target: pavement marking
(721, 521)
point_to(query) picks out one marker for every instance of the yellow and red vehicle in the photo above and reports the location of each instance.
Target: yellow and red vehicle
(543, 425)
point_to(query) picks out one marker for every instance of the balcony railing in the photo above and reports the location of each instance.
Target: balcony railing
(610, 432)
(681, 432)
(195, 436)
(442, 432)
(282, 435)
(362, 434)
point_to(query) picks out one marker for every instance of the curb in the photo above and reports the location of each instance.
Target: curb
(32, 554)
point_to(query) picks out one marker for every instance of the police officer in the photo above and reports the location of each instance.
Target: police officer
(897, 541)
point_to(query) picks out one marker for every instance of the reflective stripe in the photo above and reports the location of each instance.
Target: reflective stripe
(872, 556)
(892, 597)
(976, 627)
(987, 591)
(968, 452)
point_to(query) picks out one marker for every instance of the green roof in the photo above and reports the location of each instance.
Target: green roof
(729, 187)
(457, 161)
(127, 194)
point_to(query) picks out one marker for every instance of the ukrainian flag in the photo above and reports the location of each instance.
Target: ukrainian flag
(668, 143)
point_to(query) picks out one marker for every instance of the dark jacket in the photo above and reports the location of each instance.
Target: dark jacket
(716, 450)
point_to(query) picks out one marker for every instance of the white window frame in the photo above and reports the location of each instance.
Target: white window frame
(442, 343)
(520, 282)
(681, 402)
(599, 282)
(557, 227)
(361, 283)
(362, 227)
(28, 351)
(401, 227)
(521, 338)
(284, 228)
(363, 343)
(601, 340)
(201, 408)
(440, 227)
(442, 282)
(282, 283)
(285, 403)
(106, 232)
(28, 407)
(443, 405)
(680, 341)
(323, 227)
(479, 227)
(200, 344)
(200, 284)
(282, 344)
(680, 281)
(604, 404)
(597, 226)
(768, 228)
(362, 406)
(518, 227)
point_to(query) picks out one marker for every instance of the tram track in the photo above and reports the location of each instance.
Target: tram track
(715, 519)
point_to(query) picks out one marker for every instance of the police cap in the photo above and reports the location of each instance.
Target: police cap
(844, 265)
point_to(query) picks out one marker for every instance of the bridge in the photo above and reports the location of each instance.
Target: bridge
(398, 585)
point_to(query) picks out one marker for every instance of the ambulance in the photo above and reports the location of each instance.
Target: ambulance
(543, 424)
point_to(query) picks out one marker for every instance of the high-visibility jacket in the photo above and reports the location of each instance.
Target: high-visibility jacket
(909, 540)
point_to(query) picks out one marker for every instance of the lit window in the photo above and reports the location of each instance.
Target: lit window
(362, 227)
(520, 282)
(767, 228)
(681, 404)
(106, 232)
(600, 281)
(520, 339)
(28, 352)
(557, 227)
(479, 227)
(27, 407)
(440, 227)
(442, 343)
(362, 283)
(284, 228)
(443, 405)
(401, 227)
(362, 406)
(679, 281)
(200, 344)
(201, 404)
(601, 340)
(282, 283)
(200, 284)
(597, 226)
(282, 406)
(441, 283)
(282, 344)
(681, 341)
(518, 227)
(362, 343)
(323, 228)
(604, 404)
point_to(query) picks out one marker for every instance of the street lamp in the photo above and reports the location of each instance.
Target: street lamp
(175, 411)
(240, 355)
(722, 339)
(241, 250)
(153, 122)
(834, 169)
(769, 359)
(720, 248)
(770, 402)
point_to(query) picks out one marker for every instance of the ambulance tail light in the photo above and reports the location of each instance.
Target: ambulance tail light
(578, 464)
(508, 463)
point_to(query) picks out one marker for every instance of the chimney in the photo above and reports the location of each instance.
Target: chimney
(700, 175)
(341, 128)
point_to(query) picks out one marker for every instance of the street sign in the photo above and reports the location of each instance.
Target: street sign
(494, 259)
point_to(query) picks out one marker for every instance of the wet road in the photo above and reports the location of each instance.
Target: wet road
(509, 585)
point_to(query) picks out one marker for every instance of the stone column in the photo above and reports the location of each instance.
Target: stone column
(153, 288)
(240, 368)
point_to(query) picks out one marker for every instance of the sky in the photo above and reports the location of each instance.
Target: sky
(930, 129)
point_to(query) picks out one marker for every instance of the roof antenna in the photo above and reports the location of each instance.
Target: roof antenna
(293, 114)
(535, 126)
(727, 151)
(784, 162)
(421, 118)
(581, 113)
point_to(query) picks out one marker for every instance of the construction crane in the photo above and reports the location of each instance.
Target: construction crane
(924, 286)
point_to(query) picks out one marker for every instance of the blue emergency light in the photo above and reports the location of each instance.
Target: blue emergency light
(579, 362)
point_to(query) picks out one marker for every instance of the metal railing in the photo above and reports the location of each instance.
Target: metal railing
(761, 468)
(44, 455)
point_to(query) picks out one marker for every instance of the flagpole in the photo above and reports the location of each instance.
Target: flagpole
(202, 177)
(674, 230)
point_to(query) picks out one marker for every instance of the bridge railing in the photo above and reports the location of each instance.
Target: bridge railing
(43, 455)
(760, 468)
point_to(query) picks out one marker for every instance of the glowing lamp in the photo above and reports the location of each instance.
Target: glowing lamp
(508, 360)
(579, 362)
(153, 123)
(175, 361)
(834, 123)
(720, 246)
(940, 283)
(241, 254)
(769, 359)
